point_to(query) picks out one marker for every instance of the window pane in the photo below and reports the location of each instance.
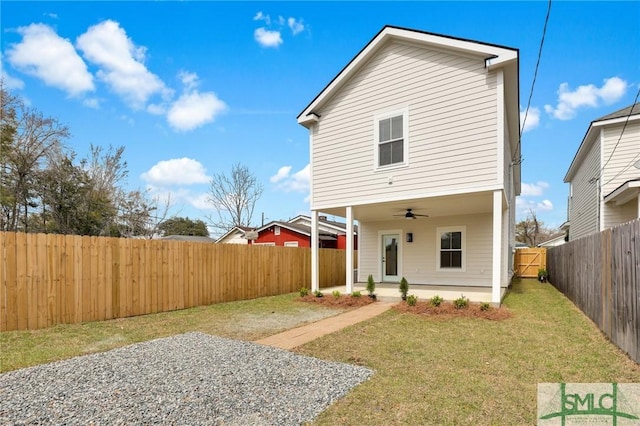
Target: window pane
(445, 240)
(445, 259)
(385, 154)
(385, 130)
(396, 127)
(456, 259)
(456, 240)
(397, 148)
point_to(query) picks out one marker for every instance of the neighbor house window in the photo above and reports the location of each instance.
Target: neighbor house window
(277, 230)
(451, 248)
(391, 139)
(291, 244)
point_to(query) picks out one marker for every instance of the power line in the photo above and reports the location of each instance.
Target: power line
(631, 110)
(517, 158)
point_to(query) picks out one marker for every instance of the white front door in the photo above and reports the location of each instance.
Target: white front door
(390, 257)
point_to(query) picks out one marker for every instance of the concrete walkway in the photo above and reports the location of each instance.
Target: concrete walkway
(299, 336)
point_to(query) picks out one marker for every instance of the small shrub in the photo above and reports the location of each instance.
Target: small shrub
(318, 293)
(335, 293)
(461, 302)
(412, 299)
(356, 294)
(485, 306)
(304, 292)
(404, 288)
(543, 275)
(371, 285)
(436, 300)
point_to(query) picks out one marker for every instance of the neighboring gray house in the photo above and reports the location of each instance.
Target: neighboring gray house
(415, 139)
(604, 176)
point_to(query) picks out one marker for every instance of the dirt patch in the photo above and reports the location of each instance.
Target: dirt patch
(342, 301)
(447, 310)
(260, 323)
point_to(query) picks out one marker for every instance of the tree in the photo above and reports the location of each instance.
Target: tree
(234, 198)
(183, 226)
(27, 138)
(532, 231)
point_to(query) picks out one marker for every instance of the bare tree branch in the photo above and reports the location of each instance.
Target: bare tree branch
(234, 197)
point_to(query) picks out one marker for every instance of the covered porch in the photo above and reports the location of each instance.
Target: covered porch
(446, 245)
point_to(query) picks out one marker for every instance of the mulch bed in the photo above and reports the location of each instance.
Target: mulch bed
(343, 301)
(447, 310)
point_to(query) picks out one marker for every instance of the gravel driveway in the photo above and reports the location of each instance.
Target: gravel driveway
(188, 379)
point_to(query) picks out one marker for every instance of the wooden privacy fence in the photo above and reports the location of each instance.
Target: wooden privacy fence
(527, 261)
(600, 274)
(50, 279)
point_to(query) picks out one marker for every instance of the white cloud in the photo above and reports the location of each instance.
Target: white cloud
(545, 205)
(295, 25)
(267, 38)
(283, 172)
(45, 55)
(193, 110)
(189, 79)
(177, 171)
(588, 95)
(533, 119)
(108, 46)
(533, 189)
(523, 205)
(91, 103)
(262, 17)
(9, 81)
(297, 182)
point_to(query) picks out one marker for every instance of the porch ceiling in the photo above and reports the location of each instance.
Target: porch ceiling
(451, 205)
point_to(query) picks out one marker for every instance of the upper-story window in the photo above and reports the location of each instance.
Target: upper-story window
(391, 139)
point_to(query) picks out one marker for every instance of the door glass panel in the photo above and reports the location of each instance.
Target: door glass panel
(391, 256)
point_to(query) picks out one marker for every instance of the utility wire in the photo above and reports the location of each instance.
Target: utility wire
(517, 158)
(631, 111)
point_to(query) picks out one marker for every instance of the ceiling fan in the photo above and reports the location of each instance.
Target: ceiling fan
(411, 215)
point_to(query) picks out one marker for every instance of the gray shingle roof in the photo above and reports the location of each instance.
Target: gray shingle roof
(633, 109)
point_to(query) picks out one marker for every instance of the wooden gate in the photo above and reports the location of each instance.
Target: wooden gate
(527, 262)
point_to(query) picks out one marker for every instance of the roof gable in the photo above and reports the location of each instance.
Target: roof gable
(631, 112)
(494, 56)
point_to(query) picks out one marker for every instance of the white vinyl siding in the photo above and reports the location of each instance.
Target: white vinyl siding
(418, 263)
(583, 207)
(451, 101)
(621, 164)
(617, 215)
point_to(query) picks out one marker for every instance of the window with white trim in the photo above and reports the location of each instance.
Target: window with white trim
(291, 244)
(451, 248)
(391, 139)
(277, 230)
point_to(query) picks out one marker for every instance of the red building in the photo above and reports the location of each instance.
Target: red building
(297, 233)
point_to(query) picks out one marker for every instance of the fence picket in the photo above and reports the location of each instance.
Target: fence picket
(600, 274)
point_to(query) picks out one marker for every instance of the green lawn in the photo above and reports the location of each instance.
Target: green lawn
(470, 371)
(247, 320)
(428, 370)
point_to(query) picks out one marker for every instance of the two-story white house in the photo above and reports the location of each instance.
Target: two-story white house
(417, 139)
(604, 176)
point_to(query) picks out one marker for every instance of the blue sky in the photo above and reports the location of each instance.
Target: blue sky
(190, 88)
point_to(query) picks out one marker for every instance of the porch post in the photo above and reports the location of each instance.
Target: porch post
(349, 253)
(497, 246)
(315, 277)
